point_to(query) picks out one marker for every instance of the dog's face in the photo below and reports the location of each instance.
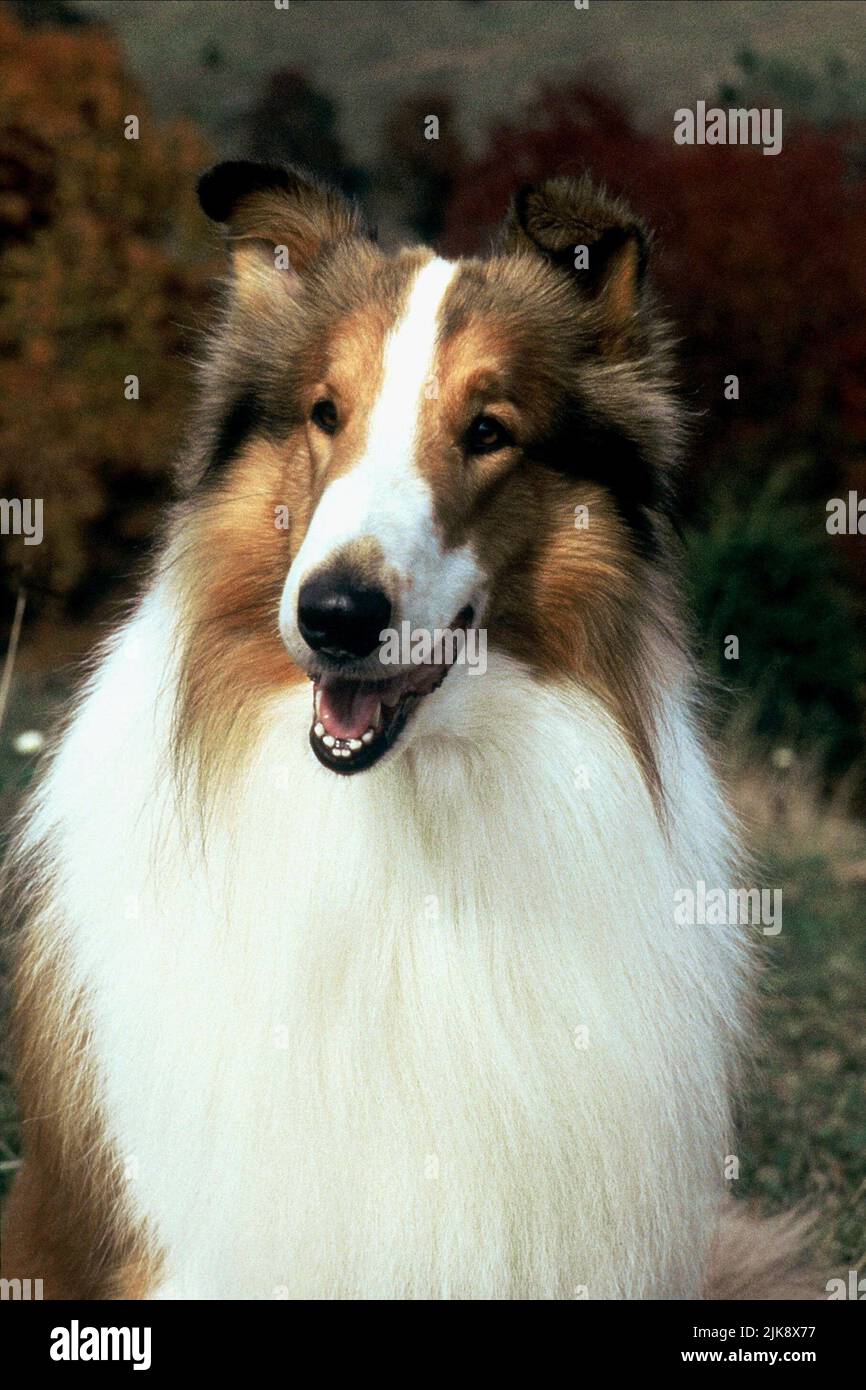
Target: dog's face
(400, 447)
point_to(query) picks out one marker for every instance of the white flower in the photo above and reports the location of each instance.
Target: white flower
(29, 742)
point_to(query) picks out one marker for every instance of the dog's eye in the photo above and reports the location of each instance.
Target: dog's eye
(485, 435)
(324, 416)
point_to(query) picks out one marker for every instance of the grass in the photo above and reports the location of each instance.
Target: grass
(803, 1118)
(802, 1134)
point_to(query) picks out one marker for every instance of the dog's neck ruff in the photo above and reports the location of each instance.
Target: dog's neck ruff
(427, 1032)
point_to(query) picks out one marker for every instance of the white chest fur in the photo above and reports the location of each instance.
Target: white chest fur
(427, 1032)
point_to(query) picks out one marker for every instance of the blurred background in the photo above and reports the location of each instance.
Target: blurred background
(108, 268)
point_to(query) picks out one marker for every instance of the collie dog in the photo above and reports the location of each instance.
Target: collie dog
(350, 978)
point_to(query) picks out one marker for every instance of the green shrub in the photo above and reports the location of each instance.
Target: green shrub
(766, 572)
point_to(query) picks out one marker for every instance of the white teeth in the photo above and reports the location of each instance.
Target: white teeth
(345, 747)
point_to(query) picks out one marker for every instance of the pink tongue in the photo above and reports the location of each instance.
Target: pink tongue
(347, 708)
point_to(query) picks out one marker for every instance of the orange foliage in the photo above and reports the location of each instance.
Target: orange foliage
(106, 262)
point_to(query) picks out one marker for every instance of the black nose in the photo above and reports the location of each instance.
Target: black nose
(342, 619)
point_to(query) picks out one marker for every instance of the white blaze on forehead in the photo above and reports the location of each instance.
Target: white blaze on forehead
(410, 352)
(385, 496)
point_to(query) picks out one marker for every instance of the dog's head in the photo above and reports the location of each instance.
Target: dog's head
(392, 447)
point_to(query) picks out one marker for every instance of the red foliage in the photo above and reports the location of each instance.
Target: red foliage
(759, 259)
(105, 272)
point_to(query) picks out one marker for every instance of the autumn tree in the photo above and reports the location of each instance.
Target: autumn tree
(105, 267)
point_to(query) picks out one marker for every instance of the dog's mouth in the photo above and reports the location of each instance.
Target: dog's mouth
(355, 722)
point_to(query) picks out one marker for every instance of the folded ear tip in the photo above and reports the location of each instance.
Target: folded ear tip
(215, 190)
(558, 213)
(221, 187)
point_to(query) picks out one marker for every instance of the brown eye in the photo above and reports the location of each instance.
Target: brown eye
(485, 435)
(324, 415)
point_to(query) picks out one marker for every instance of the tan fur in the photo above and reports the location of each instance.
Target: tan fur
(573, 605)
(302, 224)
(65, 1221)
(238, 557)
(563, 599)
(352, 380)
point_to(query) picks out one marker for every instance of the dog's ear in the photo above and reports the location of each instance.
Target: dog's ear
(276, 218)
(594, 238)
